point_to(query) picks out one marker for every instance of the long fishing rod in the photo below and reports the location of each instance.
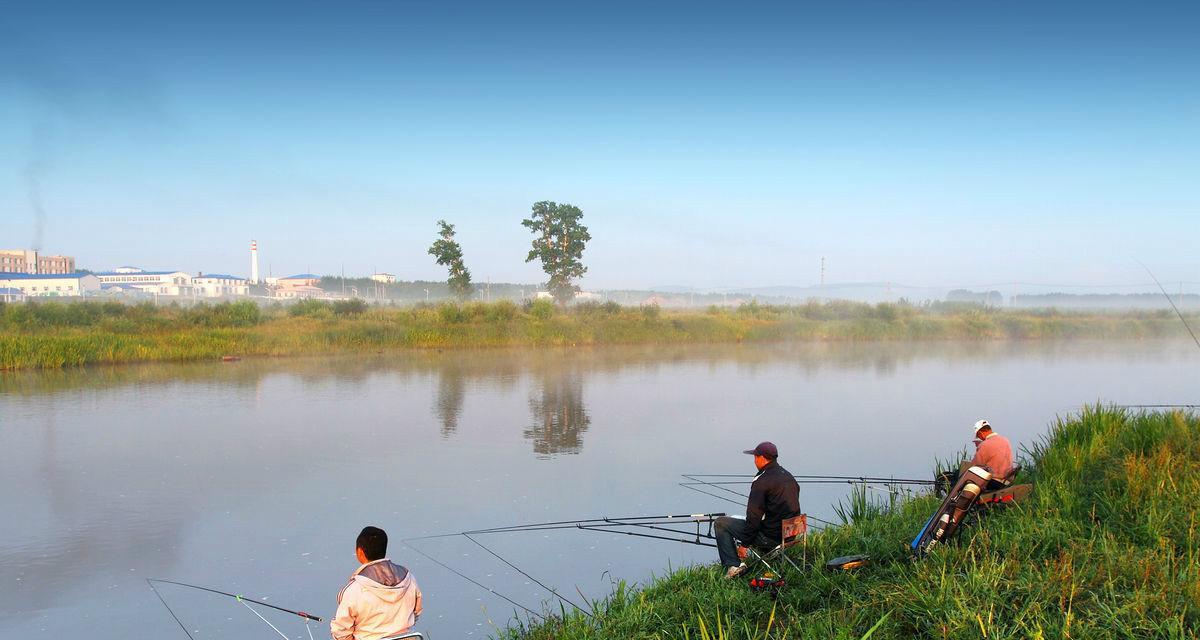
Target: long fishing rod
(808, 478)
(307, 616)
(693, 486)
(604, 524)
(1172, 303)
(568, 524)
(1158, 406)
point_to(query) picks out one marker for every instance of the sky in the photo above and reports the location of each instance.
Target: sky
(710, 145)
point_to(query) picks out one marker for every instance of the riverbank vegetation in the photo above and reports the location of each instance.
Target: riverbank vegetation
(51, 334)
(1106, 547)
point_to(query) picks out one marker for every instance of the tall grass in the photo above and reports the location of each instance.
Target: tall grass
(52, 334)
(1106, 547)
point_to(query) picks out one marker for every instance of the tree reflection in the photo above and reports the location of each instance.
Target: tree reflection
(559, 417)
(448, 404)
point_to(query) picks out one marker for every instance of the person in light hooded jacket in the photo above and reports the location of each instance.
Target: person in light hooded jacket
(381, 598)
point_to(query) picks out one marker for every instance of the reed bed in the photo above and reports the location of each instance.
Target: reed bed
(1107, 547)
(50, 334)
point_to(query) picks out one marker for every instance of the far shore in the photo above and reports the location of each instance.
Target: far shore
(39, 335)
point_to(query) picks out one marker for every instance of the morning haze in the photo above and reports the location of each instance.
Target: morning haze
(405, 320)
(928, 145)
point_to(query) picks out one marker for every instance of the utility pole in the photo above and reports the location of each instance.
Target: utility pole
(822, 271)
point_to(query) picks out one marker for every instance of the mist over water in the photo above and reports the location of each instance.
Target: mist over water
(255, 477)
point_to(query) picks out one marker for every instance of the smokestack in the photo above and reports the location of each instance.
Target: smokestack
(253, 262)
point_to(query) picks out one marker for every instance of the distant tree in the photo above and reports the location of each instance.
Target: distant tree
(449, 254)
(559, 240)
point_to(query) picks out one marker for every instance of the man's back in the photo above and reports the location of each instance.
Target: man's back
(381, 599)
(774, 496)
(995, 453)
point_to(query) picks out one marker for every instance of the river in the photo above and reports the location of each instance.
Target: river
(255, 477)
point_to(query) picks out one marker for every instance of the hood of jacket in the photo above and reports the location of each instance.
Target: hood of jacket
(384, 579)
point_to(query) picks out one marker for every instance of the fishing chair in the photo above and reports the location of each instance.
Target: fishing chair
(795, 531)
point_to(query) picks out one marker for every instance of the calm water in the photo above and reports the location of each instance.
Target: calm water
(255, 477)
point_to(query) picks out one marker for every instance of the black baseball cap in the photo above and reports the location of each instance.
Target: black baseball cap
(764, 449)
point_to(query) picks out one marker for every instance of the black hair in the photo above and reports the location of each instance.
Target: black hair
(373, 542)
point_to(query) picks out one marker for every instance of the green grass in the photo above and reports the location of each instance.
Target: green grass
(53, 334)
(1106, 547)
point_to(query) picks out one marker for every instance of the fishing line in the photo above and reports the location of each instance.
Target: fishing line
(522, 572)
(260, 617)
(688, 485)
(169, 610)
(469, 579)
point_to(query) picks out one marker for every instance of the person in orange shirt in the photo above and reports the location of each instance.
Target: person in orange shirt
(992, 451)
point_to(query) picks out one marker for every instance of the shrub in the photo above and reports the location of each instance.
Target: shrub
(542, 309)
(351, 307)
(310, 308)
(451, 313)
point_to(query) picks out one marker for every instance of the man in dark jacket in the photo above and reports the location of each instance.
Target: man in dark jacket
(774, 497)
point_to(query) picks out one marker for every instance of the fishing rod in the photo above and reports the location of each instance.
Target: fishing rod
(807, 478)
(1158, 406)
(244, 601)
(604, 524)
(693, 486)
(302, 614)
(1172, 303)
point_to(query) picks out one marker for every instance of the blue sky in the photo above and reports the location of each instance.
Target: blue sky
(710, 145)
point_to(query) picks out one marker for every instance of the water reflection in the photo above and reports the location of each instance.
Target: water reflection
(451, 392)
(154, 469)
(559, 415)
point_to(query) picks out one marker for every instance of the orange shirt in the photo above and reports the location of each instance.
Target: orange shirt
(995, 453)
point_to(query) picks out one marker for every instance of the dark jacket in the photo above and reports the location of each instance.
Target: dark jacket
(774, 497)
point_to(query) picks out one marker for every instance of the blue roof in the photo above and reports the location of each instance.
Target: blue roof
(42, 276)
(303, 276)
(9, 291)
(221, 276)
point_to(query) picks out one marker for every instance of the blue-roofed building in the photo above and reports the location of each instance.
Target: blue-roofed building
(220, 285)
(10, 294)
(69, 285)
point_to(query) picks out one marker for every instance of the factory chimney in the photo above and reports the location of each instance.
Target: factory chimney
(253, 262)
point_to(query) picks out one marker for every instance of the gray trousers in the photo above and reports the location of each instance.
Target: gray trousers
(729, 532)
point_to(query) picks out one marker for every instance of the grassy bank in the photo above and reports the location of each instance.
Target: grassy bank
(48, 334)
(1107, 547)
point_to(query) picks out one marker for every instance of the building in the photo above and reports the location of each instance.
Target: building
(385, 278)
(28, 261)
(51, 285)
(217, 285)
(163, 283)
(302, 285)
(10, 294)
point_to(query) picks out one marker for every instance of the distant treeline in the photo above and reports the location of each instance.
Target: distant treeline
(1075, 300)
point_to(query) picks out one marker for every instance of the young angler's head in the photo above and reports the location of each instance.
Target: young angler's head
(371, 545)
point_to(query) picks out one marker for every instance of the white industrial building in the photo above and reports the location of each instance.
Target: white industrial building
(385, 278)
(164, 283)
(51, 285)
(218, 285)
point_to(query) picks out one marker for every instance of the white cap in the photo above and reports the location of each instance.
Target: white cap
(979, 424)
